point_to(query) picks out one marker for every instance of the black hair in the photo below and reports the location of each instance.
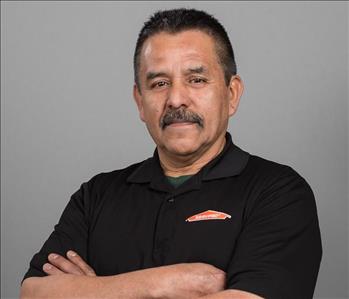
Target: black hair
(181, 19)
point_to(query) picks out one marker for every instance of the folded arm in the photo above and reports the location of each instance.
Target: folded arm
(127, 285)
(71, 277)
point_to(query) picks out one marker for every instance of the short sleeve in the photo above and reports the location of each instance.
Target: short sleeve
(71, 232)
(278, 251)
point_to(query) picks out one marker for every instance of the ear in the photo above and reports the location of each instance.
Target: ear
(236, 88)
(138, 99)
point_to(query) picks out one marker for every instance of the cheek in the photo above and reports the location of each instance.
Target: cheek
(212, 104)
(152, 111)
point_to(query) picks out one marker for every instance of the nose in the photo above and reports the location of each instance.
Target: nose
(177, 95)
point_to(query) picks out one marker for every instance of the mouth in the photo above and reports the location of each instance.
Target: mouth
(181, 124)
(180, 118)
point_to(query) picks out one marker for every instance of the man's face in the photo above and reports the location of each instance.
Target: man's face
(183, 97)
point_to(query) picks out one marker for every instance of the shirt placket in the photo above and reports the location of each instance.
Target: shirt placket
(165, 229)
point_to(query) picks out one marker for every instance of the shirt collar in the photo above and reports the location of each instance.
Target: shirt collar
(230, 162)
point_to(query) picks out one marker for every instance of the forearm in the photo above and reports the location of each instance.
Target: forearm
(177, 281)
(232, 294)
(133, 285)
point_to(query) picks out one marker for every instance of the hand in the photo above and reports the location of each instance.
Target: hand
(73, 265)
(189, 280)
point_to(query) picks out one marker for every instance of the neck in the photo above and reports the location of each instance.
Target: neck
(174, 165)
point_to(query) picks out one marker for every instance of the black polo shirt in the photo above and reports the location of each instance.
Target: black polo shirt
(251, 217)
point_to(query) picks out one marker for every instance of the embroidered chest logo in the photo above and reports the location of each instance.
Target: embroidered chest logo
(208, 215)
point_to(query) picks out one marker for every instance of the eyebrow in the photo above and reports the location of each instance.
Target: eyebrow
(192, 70)
(153, 75)
(196, 70)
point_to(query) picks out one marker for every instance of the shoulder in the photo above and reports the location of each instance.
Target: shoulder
(270, 172)
(273, 184)
(278, 187)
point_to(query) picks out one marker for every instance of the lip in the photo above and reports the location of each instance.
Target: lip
(181, 124)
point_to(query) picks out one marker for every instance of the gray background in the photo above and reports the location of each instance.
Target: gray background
(67, 111)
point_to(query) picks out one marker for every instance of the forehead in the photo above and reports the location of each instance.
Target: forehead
(177, 50)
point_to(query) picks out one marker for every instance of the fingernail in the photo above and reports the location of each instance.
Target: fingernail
(47, 267)
(53, 256)
(71, 253)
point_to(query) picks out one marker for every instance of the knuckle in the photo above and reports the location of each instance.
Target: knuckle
(59, 262)
(73, 270)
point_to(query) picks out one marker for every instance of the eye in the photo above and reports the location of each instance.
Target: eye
(159, 84)
(197, 80)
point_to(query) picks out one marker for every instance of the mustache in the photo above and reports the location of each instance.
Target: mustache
(180, 115)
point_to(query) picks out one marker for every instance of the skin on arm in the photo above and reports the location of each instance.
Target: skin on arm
(232, 294)
(127, 285)
(73, 278)
(83, 286)
(65, 274)
(76, 263)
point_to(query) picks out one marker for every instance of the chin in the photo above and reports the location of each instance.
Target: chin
(182, 141)
(182, 147)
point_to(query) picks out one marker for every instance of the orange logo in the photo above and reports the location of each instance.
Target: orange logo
(208, 215)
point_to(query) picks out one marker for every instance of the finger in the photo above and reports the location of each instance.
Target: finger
(63, 264)
(51, 270)
(77, 260)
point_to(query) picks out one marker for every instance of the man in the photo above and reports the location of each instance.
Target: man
(202, 217)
